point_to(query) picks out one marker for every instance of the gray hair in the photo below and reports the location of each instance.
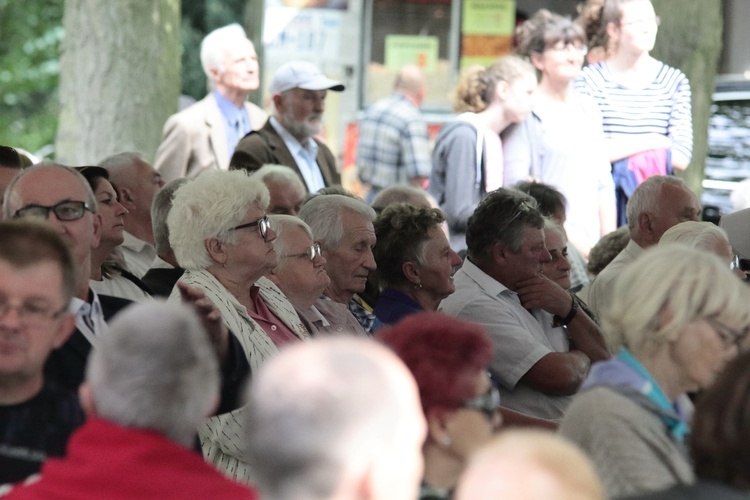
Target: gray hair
(702, 235)
(209, 206)
(91, 199)
(315, 409)
(280, 223)
(118, 161)
(501, 217)
(280, 174)
(215, 44)
(323, 213)
(156, 369)
(647, 196)
(671, 285)
(402, 194)
(159, 211)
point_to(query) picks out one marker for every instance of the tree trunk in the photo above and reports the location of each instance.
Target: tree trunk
(119, 77)
(690, 38)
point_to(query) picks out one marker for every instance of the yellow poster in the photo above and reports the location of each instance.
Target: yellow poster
(488, 17)
(407, 49)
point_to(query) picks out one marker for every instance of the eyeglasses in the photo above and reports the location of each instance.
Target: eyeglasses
(487, 403)
(64, 211)
(263, 224)
(730, 336)
(29, 314)
(311, 252)
(640, 22)
(562, 46)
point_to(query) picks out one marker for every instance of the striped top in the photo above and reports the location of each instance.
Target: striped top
(662, 107)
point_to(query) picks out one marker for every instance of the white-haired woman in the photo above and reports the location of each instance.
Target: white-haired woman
(221, 236)
(680, 316)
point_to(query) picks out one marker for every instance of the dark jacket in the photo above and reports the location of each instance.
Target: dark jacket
(266, 146)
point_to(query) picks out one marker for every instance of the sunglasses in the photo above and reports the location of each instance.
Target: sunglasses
(263, 224)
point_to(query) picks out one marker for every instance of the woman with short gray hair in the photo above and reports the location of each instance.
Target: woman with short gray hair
(222, 237)
(680, 316)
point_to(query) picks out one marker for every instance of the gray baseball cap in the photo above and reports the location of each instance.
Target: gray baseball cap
(302, 75)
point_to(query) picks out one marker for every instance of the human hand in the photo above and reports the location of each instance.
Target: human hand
(541, 292)
(210, 316)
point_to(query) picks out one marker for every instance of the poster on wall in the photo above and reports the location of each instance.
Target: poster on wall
(486, 30)
(401, 50)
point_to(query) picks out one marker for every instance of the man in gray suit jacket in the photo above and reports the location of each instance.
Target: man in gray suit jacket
(203, 136)
(298, 90)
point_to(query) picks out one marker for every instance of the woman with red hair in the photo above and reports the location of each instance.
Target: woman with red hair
(449, 360)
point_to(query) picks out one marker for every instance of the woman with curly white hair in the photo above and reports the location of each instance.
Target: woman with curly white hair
(221, 236)
(680, 315)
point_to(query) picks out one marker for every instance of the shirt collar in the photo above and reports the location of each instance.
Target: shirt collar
(230, 112)
(291, 142)
(484, 280)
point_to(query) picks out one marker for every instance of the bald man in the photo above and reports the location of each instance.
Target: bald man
(393, 144)
(335, 418)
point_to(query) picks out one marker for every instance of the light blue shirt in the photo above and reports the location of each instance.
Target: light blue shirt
(236, 120)
(304, 155)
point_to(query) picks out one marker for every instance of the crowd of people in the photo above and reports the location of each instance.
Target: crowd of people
(232, 323)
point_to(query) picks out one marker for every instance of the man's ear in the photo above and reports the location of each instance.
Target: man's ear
(278, 103)
(87, 399)
(64, 330)
(216, 249)
(126, 198)
(500, 252)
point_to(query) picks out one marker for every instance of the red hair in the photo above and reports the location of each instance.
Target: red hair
(443, 354)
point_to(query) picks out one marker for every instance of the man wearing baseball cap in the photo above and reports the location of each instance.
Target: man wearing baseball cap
(298, 90)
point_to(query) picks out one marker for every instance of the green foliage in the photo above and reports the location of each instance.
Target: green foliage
(31, 32)
(30, 36)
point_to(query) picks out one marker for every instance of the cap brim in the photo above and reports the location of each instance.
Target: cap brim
(322, 83)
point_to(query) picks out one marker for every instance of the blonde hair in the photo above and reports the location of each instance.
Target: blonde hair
(513, 463)
(476, 86)
(666, 288)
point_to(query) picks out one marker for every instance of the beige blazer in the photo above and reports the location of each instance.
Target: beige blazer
(194, 140)
(221, 436)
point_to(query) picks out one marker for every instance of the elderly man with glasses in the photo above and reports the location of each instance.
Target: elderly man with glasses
(63, 198)
(544, 344)
(302, 276)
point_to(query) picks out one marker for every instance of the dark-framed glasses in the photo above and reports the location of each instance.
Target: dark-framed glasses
(30, 314)
(263, 224)
(311, 252)
(576, 47)
(65, 210)
(487, 403)
(728, 335)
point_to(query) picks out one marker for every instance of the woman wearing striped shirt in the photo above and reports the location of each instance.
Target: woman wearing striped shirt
(645, 104)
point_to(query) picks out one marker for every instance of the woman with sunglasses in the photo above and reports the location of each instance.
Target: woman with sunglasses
(679, 316)
(562, 143)
(415, 261)
(448, 359)
(645, 104)
(221, 236)
(302, 276)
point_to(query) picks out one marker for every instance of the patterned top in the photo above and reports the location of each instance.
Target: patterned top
(393, 143)
(221, 436)
(662, 107)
